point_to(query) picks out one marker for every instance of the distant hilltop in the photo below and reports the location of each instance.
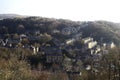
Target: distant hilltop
(5, 16)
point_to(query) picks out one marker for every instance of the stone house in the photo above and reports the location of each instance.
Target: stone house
(53, 54)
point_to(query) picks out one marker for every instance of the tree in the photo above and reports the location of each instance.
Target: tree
(12, 68)
(45, 38)
(20, 29)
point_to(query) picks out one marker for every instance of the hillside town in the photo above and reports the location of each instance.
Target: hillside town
(67, 55)
(37, 48)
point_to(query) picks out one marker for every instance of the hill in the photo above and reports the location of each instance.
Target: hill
(61, 29)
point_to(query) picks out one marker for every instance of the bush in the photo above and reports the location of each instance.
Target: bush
(13, 69)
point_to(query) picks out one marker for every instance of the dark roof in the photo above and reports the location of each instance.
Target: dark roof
(53, 51)
(54, 42)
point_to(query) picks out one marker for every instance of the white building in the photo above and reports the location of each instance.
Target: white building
(35, 49)
(109, 45)
(92, 44)
(88, 67)
(70, 41)
(98, 49)
(112, 45)
(88, 39)
(56, 31)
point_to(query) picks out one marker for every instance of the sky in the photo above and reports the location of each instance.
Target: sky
(76, 10)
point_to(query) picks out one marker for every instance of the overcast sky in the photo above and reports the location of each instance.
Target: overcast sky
(78, 10)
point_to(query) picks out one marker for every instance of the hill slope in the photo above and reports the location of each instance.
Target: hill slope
(62, 29)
